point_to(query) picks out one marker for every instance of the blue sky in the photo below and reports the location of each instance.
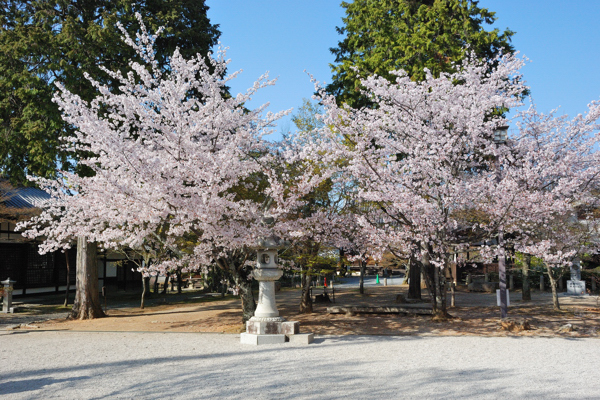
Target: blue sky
(284, 37)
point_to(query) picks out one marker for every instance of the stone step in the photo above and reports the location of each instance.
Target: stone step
(301, 338)
(249, 338)
(297, 338)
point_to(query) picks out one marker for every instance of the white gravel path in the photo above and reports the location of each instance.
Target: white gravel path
(130, 365)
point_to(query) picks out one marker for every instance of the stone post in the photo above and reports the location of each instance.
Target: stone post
(511, 282)
(502, 274)
(7, 295)
(542, 283)
(575, 271)
(469, 279)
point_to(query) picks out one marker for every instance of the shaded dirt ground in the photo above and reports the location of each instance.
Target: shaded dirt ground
(475, 314)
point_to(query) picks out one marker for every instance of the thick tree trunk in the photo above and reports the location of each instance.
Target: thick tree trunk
(247, 297)
(234, 265)
(553, 283)
(427, 271)
(361, 285)
(68, 278)
(414, 283)
(306, 306)
(526, 295)
(87, 297)
(436, 284)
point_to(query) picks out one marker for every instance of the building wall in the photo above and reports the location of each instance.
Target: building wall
(35, 273)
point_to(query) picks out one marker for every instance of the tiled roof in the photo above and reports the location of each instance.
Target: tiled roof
(26, 197)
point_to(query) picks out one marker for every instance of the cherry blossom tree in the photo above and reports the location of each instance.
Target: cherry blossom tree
(558, 243)
(313, 221)
(176, 163)
(325, 216)
(422, 154)
(551, 174)
(425, 157)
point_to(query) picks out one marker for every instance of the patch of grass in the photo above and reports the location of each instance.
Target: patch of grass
(287, 289)
(54, 304)
(43, 309)
(204, 299)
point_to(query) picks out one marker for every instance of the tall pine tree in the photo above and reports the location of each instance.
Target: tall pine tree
(43, 41)
(385, 35)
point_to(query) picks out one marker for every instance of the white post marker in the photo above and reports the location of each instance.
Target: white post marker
(498, 301)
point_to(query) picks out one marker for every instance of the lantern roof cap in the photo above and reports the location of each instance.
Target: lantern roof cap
(271, 243)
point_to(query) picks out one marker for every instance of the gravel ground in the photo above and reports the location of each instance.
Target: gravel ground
(128, 365)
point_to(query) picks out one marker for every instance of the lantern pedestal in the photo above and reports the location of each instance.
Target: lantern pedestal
(266, 277)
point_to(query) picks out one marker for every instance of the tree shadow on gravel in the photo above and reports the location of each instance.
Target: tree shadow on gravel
(27, 385)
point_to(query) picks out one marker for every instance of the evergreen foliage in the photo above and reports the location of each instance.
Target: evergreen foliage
(47, 41)
(387, 35)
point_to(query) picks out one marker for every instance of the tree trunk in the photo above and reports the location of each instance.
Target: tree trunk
(526, 295)
(87, 297)
(452, 287)
(233, 266)
(439, 280)
(414, 276)
(145, 290)
(306, 306)
(436, 284)
(361, 285)
(224, 287)
(68, 278)
(553, 282)
(427, 272)
(145, 285)
(247, 297)
(166, 284)
(502, 274)
(179, 282)
(155, 288)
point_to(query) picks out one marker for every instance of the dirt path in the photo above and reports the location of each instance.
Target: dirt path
(475, 314)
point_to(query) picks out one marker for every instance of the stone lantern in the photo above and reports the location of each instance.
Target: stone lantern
(7, 295)
(575, 286)
(266, 326)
